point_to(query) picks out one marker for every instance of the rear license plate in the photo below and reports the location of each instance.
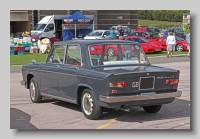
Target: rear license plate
(147, 83)
(158, 49)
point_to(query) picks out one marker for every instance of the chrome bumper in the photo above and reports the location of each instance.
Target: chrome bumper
(23, 82)
(144, 96)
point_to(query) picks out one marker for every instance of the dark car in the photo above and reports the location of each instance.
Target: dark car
(177, 31)
(153, 31)
(74, 73)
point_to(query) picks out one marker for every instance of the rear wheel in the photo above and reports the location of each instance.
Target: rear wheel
(179, 48)
(89, 106)
(34, 91)
(152, 109)
(111, 52)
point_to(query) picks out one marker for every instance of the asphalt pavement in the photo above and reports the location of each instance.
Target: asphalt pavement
(153, 60)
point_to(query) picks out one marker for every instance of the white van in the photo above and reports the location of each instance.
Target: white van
(49, 26)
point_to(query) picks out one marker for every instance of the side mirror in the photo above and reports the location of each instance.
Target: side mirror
(104, 35)
(33, 61)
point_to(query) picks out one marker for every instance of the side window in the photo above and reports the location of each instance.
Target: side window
(156, 30)
(51, 27)
(107, 33)
(57, 55)
(73, 55)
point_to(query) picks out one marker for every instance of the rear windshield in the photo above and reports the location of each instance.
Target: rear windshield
(117, 54)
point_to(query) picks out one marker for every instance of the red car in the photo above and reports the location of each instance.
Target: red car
(181, 44)
(147, 46)
(111, 50)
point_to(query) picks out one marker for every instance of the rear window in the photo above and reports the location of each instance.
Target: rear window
(116, 54)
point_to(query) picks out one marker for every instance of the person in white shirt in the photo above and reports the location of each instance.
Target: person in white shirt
(171, 43)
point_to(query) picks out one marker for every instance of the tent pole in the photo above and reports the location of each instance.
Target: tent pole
(75, 30)
(93, 24)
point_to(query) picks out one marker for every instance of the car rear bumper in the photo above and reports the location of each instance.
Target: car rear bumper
(141, 97)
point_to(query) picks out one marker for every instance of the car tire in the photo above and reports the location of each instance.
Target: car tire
(89, 106)
(111, 52)
(179, 48)
(34, 91)
(152, 109)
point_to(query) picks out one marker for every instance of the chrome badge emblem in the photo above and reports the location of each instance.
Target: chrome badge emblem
(147, 73)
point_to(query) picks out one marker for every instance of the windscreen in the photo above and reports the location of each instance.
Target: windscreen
(40, 27)
(116, 54)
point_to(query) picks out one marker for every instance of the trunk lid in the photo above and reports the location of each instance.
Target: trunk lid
(140, 79)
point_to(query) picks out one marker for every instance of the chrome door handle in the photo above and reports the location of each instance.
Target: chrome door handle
(57, 66)
(76, 68)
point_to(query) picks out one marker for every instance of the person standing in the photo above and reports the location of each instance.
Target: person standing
(127, 51)
(112, 33)
(121, 32)
(187, 38)
(165, 33)
(171, 43)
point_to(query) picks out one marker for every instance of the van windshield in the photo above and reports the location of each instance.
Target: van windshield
(40, 27)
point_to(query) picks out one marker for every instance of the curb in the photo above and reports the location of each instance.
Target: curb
(165, 56)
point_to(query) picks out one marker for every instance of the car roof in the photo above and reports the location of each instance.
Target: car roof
(92, 42)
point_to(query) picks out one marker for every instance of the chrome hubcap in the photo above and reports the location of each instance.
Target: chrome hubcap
(179, 48)
(110, 52)
(32, 90)
(87, 103)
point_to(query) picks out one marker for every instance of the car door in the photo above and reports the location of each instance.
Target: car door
(49, 31)
(68, 72)
(106, 34)
(49, 72)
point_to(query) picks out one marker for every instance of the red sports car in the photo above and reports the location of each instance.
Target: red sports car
(110, 50)
(181, 44)
(147, 46)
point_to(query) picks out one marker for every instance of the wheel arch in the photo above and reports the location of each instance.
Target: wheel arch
(80, 89)
(29, 77)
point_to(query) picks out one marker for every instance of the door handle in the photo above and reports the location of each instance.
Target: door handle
(57, 66)
(76, 68)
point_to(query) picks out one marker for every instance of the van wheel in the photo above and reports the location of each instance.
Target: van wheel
(89, 106)
(152, 109)
(34, 91)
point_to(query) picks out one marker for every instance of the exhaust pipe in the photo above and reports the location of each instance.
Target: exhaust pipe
(125, 109)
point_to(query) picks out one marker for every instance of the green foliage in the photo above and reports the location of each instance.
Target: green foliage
(159, 24)
(162, 15)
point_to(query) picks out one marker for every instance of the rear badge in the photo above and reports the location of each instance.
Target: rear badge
(147, 73)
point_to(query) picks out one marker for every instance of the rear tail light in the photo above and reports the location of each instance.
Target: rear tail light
(172, 81)
(118, 84)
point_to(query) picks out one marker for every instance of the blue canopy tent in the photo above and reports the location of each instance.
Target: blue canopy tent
(77, 17)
